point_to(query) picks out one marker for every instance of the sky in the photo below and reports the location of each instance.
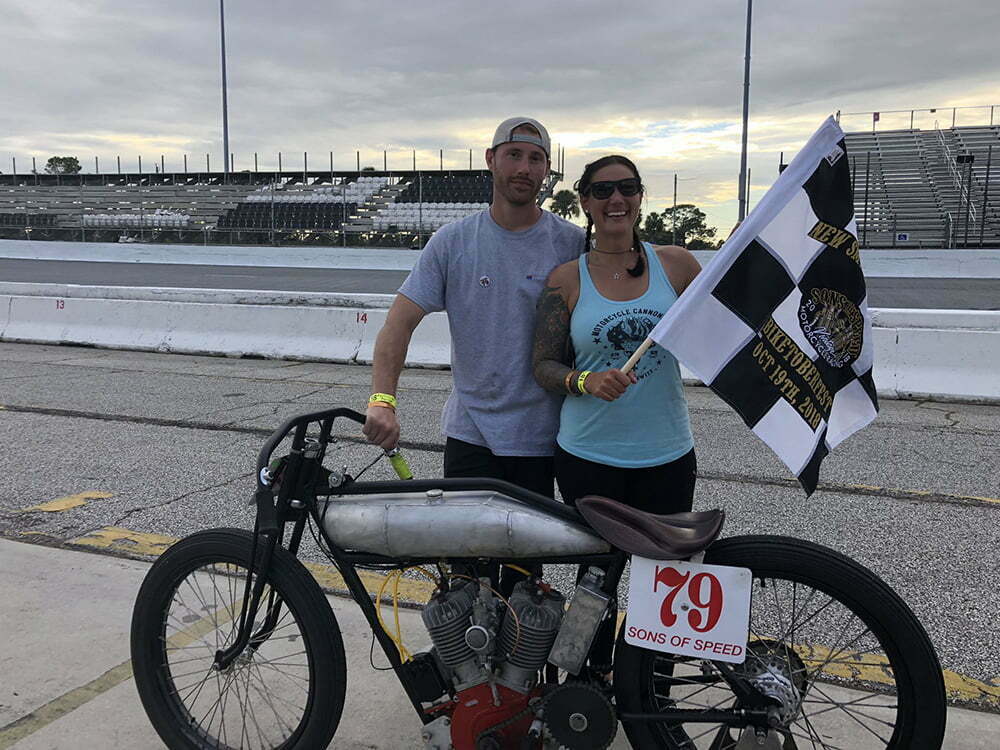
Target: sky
(659, 81)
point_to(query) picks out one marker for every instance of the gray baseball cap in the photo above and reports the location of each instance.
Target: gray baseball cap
(505, 134)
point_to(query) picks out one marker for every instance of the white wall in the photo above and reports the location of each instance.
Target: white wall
(933, 353)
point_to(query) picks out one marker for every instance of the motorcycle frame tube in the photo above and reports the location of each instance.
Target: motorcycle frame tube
(346, 561)
(360, 595)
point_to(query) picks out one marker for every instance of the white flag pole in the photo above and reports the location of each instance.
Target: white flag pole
(636, 355)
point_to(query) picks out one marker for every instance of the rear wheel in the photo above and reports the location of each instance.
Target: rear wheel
(286, 693)
(847, 659)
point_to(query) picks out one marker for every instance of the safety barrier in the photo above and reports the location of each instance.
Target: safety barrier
(939, 354)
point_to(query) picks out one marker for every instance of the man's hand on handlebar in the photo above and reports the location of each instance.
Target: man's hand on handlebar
(381, 427)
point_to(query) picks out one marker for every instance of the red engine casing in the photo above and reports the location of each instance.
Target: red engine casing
(474, 713)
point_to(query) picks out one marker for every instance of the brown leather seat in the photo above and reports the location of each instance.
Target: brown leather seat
(671, 537)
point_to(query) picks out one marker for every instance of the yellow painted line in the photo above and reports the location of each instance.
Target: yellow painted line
(410, 590)
(876, 489)
(64, 704)
(70, 501)
(962, 686)
(68, 702)
(871, 668)
(849, 665)
(115, 539)
(874, 668)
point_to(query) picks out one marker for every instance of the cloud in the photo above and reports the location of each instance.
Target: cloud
(662, 82)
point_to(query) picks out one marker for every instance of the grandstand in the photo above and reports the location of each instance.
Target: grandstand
(245, 207)
(927, 188)
(934, 187)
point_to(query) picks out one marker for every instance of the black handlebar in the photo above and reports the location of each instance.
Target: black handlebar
(326, 418)
(299, 423)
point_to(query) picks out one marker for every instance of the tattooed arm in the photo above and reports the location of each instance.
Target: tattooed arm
(552, 356)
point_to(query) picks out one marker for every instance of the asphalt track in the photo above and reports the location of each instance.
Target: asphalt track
(139, 449)
(885, 292)
(134, 446)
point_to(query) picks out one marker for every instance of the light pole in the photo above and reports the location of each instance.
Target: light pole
(225, 106)
(746, 116)
(673, 231)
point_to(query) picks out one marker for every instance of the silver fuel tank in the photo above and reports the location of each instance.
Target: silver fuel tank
(466, 523)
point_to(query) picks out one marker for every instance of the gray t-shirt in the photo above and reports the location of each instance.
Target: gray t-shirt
(488, 280)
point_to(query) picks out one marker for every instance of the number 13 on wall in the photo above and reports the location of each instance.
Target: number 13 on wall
(689, 609)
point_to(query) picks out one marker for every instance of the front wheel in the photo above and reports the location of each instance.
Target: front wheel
(843, 654)
(287, 692)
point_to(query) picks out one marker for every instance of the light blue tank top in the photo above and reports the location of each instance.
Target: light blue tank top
(648, 425)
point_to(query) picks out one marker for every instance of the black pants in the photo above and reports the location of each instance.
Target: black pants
(534, 473)
(667, 488)
(663, 489)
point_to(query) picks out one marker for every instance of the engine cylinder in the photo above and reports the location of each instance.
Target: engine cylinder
(446, 618)
(539, 618)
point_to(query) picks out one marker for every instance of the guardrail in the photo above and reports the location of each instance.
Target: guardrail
(937, 354)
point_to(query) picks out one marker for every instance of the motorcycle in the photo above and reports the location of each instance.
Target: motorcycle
(234, 643)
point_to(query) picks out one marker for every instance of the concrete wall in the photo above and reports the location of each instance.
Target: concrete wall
(950, 264)
(919, 353)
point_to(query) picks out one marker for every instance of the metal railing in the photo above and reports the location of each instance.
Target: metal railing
(964, 189)
(909, 119)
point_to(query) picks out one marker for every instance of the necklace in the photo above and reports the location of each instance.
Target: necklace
(596, 249)
(616, 275)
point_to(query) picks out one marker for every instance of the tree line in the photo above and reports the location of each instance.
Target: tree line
(690, 229)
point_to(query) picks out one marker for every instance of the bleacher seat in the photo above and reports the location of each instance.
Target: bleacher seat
(422, 217)
(449, 187)
(911, 191)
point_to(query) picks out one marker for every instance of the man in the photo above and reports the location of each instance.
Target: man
(487, 272)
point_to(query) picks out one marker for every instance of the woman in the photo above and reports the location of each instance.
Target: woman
(626, 437)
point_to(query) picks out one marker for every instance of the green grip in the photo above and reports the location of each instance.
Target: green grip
(399, 464)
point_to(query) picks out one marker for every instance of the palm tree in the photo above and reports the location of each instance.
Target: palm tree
(564, 204)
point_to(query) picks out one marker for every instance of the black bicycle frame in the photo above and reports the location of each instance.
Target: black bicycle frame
(296, 500)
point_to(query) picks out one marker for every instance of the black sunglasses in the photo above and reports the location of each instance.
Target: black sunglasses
(603, 190)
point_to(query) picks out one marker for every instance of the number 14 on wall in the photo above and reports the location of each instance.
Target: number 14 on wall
(689, 609)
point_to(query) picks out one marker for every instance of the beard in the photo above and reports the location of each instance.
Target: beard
(519, 196)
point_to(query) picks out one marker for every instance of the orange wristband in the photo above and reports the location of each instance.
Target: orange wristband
(378, 398)
(567, 386)
(382, 403)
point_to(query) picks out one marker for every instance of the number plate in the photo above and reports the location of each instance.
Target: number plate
(689, 609)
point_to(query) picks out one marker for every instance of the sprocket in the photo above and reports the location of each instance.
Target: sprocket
(580, 717)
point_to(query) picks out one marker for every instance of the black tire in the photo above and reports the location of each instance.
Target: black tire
(865, 670)
(186, 610)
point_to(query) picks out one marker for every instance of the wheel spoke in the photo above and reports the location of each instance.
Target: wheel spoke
(190, 608)
(821, 653)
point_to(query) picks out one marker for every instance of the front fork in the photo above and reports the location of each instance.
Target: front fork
(268, 532)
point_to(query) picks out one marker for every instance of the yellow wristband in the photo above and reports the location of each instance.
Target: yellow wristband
(385, 398)
(581, 380)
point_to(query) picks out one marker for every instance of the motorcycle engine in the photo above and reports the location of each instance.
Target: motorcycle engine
(493, 655)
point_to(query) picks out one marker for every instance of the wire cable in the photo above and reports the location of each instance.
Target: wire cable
(377, 459)
(501, 597)
(518, 568)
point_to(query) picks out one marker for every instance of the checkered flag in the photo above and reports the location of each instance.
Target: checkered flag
(777, 323)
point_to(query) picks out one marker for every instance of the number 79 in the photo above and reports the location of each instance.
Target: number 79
(676, 581)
